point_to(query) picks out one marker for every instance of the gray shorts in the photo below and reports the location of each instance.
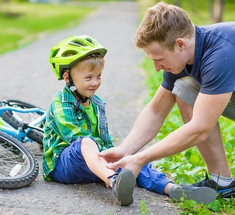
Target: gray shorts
(187, 90)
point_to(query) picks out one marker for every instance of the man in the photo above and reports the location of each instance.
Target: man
(199, 75)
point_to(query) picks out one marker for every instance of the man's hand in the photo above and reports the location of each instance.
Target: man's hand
(131, 162)
(113, 154)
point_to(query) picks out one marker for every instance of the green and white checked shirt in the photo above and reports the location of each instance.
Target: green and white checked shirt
(66, 121)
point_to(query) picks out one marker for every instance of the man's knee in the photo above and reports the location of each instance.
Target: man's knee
(229, 111)
(186, 89)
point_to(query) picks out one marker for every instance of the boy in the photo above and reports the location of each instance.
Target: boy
(76, 128)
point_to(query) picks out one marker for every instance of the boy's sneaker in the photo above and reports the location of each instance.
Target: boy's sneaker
(187, 192)
(225, 191)
(123, 184)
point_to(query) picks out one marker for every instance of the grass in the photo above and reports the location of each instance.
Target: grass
(22, 23)
(188, 166)
(97, 0)
(143, 208)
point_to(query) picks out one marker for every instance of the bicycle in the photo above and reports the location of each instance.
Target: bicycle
(20, 122)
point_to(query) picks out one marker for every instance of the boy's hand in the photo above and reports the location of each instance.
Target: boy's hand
(113, 154)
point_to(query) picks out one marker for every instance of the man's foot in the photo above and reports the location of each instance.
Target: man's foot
(225, 191)
(199, 194)
(123, 184)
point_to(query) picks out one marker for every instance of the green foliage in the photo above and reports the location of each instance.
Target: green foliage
(110, 212)
(219, 206)
(22, 23)
(143, 208)
(96, 0)
(199, 11)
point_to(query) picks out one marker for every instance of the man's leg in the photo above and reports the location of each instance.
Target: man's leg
(212, 150)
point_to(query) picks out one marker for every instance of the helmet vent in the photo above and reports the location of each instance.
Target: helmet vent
(77, 43)
(69, 53)
(90, 40)
(55, 53)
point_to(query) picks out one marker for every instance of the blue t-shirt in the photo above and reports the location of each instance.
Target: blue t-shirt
(214, 60)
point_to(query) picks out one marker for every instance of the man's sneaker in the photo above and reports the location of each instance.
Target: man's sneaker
(123, 184)
(225, 191)
(187, 192)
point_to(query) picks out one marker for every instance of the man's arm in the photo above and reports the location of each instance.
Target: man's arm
(145, 128)
(149, 121)
(206, 112)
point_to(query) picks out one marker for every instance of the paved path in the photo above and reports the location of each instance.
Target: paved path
(26, 75)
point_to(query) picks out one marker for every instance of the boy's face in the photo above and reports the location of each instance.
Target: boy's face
(86, 81)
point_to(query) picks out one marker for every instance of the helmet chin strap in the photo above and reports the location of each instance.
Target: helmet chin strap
(73, 89)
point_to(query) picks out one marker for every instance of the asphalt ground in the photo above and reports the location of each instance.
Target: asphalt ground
(26, 75)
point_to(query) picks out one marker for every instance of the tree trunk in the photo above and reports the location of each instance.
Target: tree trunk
(177, 3)
(211, 8)
(218, 11)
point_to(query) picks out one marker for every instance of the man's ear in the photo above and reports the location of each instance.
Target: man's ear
(180, 43)
(66, 76)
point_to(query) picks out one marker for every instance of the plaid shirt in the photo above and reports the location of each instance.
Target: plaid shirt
(66, 121)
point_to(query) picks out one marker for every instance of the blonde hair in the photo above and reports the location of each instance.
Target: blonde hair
(163, 23)
(91, 62)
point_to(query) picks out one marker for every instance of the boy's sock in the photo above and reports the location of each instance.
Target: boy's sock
(171, 187)
(113, 179)
(221, 181)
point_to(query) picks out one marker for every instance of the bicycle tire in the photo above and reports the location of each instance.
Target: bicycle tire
(14, 154)
(8, 116)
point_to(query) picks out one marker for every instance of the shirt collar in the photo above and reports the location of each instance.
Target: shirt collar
(67, 95)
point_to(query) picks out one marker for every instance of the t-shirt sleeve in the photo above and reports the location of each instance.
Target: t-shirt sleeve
(218, 75)
(169, 79)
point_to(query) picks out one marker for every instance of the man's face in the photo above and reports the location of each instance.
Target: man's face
(171, 61)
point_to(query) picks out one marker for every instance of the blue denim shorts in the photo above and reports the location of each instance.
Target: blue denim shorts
(187, 90)
(71, 167)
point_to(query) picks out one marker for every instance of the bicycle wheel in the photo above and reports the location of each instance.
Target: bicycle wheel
(17, 120)
(18, 167)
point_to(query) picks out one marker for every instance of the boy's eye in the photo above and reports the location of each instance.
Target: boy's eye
(88, 77)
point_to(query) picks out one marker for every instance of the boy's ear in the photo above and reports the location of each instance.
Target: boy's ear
(66, 76)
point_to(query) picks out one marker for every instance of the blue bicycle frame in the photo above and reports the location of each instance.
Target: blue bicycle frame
(20, 134)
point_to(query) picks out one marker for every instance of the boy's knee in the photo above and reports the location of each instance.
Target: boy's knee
(186, 89)
(88, 143)
(86, 140)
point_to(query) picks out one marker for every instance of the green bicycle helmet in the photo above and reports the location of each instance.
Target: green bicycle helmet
(69, 51)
